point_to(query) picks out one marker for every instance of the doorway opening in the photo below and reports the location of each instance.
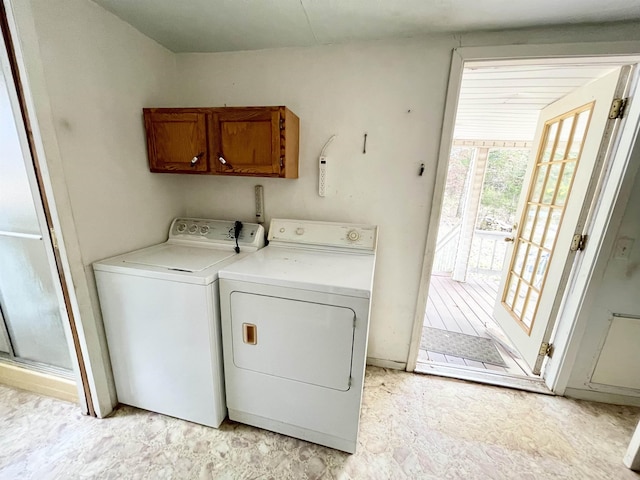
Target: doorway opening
(522, 129)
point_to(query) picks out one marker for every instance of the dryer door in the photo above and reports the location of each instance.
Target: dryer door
(292, 339)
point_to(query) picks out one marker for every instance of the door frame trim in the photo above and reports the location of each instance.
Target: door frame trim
(557, 372)
(45, 205)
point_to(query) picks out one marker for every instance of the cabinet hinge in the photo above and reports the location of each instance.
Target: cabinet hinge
(617, 108)
(578, 242)
(281, 163)
(54, 238)
(281, 123)
(546, 349)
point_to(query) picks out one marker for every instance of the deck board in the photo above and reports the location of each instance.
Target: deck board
(466, 307)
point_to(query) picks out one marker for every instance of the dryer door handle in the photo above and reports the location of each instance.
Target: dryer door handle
(249, 333)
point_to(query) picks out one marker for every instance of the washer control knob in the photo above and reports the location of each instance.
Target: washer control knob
(193, 229)
(204, 229)
(353, 235)
(299, 231)
(282, 230)
(182, 227)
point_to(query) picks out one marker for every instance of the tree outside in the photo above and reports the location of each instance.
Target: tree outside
(501, 188)
(498, 202)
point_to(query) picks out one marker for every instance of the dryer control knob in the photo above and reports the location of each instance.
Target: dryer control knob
(299, 231)
(204, 229)
(282, 230)
(182, 227)
(193, 229)
(353, 235)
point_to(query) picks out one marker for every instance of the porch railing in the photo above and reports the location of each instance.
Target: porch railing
(488, 250)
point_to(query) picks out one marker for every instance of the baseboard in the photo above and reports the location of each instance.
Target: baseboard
(379, 362)
(602, 397)
(38, 382)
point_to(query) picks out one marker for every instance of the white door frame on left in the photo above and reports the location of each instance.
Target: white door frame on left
(556, 373)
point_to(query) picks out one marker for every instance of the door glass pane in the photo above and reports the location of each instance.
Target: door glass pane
(17, 211)
(520, 298)
(578, 134)
(548, 146)
(552, 229)
(511, 291)
(530, 309)
(530, 264)
(28, 299)
(528, 222)
(541, 223)
(5, 343)
(565, 183)
(541, 269)
(522, 251)
(541, 175)
(29, 302)
(552, 182)
(565, 132)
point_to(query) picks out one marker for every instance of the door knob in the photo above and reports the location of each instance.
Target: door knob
(509, 239)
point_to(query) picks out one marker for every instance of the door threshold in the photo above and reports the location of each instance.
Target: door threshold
(487, 377)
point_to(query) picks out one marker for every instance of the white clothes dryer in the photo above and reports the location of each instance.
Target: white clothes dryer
(295, 321)
(161, 312)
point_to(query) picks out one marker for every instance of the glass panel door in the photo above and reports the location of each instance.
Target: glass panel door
(550, 188)
(30, 309)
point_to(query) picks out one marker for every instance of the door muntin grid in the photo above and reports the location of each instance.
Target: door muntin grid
(551, 182)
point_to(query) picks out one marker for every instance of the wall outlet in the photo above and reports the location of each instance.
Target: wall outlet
(623, 248)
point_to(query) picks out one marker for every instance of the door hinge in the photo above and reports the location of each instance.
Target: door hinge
(617, 108)
(54, 238)
(281, 163)
(578, 242)
(546, 349)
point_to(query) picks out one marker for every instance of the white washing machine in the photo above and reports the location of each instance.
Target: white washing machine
(295, 320)
(161, 314)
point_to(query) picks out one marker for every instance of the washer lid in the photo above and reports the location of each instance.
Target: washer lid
(179, 257)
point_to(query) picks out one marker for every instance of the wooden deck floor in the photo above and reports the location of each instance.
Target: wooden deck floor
(467, 308)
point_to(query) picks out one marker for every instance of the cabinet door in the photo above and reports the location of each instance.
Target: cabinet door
(177, 141)
(246, 141)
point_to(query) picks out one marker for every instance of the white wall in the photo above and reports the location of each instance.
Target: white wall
(349, 90)
(100, 72)
(343, 90)
(617, 293)
(90, 74)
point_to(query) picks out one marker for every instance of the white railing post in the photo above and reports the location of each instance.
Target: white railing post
(470, 214)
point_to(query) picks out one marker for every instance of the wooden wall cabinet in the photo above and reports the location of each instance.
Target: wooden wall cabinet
(245, 141)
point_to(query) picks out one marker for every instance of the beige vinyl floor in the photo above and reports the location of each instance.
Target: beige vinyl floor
(412, 426)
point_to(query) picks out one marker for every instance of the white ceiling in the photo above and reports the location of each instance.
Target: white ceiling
(502, 101)
(228, 25)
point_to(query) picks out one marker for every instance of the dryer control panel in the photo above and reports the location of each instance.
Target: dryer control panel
(216, 232)
(324, 234)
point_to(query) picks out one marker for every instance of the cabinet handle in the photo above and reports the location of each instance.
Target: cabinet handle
(221, 159)
(197, 158)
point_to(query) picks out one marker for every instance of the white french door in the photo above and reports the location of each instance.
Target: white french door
(571, 139)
